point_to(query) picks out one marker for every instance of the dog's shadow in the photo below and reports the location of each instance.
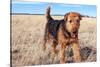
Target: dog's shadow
(85, 53)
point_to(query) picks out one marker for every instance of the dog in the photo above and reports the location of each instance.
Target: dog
(63, 32)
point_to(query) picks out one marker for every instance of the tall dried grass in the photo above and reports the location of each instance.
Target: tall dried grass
(27, 39)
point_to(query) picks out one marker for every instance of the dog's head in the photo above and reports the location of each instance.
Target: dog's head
(72, 22)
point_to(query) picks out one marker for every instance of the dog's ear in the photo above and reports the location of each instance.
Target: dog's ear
(80, 16)
(66, 16)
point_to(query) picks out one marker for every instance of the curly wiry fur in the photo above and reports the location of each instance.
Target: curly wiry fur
(63, 32)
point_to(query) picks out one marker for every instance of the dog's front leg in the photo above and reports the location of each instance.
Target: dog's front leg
(76, 51)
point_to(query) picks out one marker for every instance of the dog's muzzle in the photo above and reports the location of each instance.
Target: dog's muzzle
(73, 34)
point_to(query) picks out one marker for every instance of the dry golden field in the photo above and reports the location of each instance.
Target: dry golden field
(27, 40)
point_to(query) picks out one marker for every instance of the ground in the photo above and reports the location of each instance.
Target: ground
(27, 40)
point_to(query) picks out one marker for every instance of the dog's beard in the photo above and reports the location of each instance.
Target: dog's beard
(73, 34)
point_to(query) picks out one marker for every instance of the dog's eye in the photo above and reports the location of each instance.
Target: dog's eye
(70, 21)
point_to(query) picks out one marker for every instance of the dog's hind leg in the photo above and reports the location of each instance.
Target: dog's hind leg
(44, 44)
(45, 38)
(54, 47)
(53, 50)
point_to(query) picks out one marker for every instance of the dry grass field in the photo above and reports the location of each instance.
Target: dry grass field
(27, 40)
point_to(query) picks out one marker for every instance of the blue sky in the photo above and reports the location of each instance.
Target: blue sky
(61, 9)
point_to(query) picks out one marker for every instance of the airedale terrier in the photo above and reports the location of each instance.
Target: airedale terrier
(63, 32)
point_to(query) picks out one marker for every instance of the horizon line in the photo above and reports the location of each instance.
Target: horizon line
(44, 14)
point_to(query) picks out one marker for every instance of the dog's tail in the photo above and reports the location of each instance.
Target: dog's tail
(48, 16)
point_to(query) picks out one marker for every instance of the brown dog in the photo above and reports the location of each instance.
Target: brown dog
(63, 32)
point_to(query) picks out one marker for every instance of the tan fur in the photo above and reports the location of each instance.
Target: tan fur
(67, 34)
